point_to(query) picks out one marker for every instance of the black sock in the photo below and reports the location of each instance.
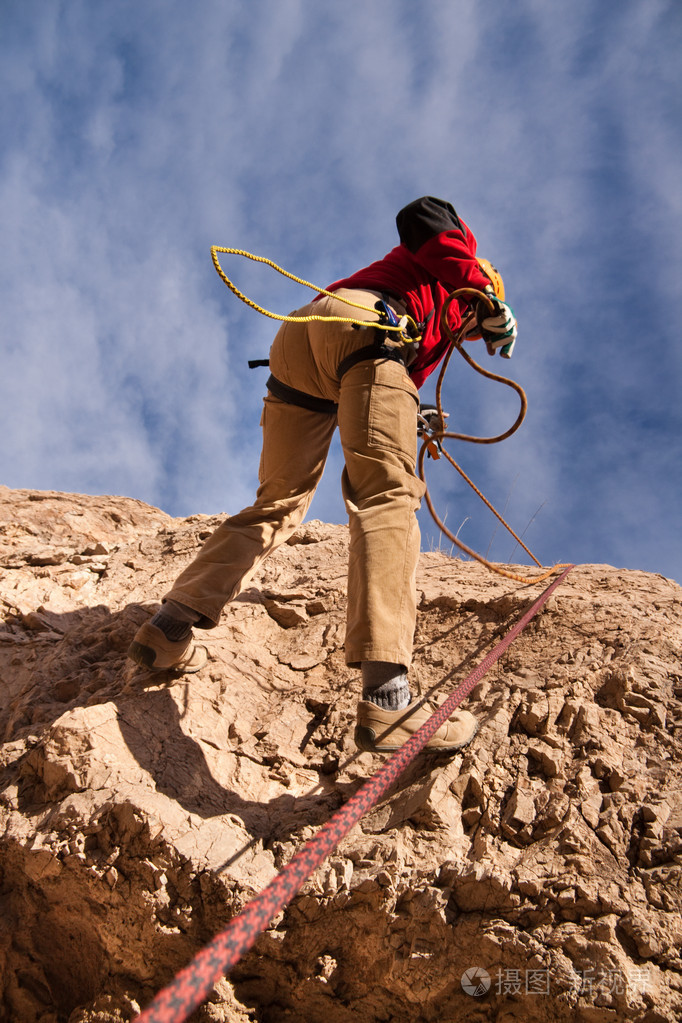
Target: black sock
(173, 628)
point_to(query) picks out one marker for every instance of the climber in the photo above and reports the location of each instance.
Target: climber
(366, 381)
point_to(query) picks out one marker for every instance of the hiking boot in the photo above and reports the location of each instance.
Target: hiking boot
(152, 650)
(384, 731)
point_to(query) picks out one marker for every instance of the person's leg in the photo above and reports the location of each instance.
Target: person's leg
(329, 345)
(295, 446)
(378, 427)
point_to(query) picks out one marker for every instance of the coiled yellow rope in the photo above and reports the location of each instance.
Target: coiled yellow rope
(406, 321)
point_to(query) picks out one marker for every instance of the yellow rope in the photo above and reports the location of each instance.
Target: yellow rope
(400, 328)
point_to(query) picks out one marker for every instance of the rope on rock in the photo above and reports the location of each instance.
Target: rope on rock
(194, 983)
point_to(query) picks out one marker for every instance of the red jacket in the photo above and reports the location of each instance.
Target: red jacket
(436, 255)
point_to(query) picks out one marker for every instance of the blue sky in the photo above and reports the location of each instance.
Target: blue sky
(133, 136)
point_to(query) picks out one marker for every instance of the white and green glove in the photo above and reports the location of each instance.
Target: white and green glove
(498, 329)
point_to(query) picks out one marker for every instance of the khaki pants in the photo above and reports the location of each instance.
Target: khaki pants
(377, 420)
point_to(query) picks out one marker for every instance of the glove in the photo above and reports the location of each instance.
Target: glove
(428, 422)
(498, 329)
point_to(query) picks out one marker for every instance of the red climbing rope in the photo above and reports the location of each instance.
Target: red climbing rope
(195, 982)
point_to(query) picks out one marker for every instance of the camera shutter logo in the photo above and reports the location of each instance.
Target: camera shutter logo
(476, 981)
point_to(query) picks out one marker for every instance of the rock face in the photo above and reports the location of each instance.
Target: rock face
(139, 813)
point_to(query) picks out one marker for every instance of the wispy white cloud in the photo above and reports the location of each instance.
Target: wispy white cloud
(135, 136)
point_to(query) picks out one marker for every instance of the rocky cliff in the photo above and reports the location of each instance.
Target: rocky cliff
(536, 876)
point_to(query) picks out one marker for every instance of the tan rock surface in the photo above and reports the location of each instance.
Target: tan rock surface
(138, 813)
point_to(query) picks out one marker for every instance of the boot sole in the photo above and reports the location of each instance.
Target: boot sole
(365, 740)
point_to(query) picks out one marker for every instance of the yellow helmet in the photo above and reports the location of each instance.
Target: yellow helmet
(494, 275)
(495, 278)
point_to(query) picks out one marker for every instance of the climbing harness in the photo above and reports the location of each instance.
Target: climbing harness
(393, 336)
(292, 396)
(192, 985)
(385, 345)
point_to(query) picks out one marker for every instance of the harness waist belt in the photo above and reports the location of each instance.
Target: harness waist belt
(380, 349)
(293, 397)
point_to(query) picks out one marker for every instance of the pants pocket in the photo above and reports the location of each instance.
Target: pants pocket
(393, 404)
